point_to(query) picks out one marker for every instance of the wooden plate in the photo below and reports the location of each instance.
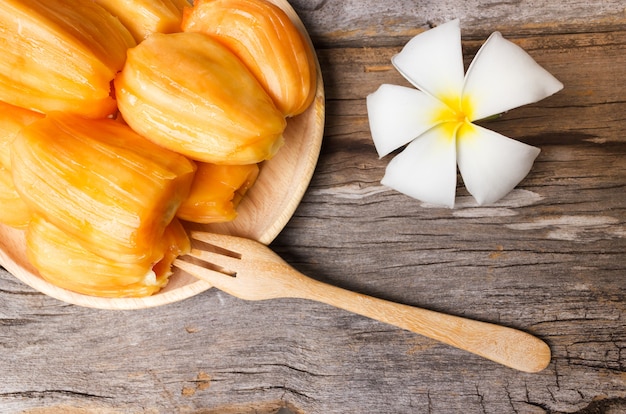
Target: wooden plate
(263, 213)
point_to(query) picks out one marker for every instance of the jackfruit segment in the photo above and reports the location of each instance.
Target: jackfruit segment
(101, 183)
(189, 93)
(176, 243)
(13, 210)
(145, 17)
(262, 35)
(12, 120)
(64, 262)
(60, 55)
(216, 191)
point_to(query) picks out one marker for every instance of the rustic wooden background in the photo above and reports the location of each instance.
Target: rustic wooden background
(550, 258)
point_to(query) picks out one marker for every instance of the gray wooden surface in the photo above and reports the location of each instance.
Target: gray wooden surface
(550, 258)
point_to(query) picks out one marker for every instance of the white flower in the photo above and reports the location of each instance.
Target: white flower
(437, 120)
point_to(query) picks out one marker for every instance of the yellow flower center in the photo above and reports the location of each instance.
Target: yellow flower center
(457, 109)
(456, 113)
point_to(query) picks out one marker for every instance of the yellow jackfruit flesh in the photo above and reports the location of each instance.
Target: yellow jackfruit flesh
(64, 262)
(13, 210)
(216, 191)
(101, 183)
(12, 120)
(145, 17)
(60, 55)
(190, 94)
(262, 35)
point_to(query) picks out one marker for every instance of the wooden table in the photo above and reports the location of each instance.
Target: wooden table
(549, 259)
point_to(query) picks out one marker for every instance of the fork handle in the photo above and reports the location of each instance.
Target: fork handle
(507, 346)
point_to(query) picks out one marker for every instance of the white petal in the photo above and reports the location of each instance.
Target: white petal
(426, 169)
(397, 115)
(491, 164)
(433, 61)
(503, 76)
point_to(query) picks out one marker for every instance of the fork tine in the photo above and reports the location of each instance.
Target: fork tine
(215, 242)
(209, 248)
(227, 263)
(213, 277)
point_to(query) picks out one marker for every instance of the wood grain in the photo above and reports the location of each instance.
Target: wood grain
(549, 259)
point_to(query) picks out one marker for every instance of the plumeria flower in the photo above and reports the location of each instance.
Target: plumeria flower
(436, 120)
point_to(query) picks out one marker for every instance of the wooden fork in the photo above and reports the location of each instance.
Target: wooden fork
(250, 270)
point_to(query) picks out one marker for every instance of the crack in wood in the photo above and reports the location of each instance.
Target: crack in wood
(16, 322)
(601, 406)
(32, 394)
(21, 292)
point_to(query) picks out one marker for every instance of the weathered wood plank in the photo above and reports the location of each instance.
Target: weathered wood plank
(550, 258)
(385, 23)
